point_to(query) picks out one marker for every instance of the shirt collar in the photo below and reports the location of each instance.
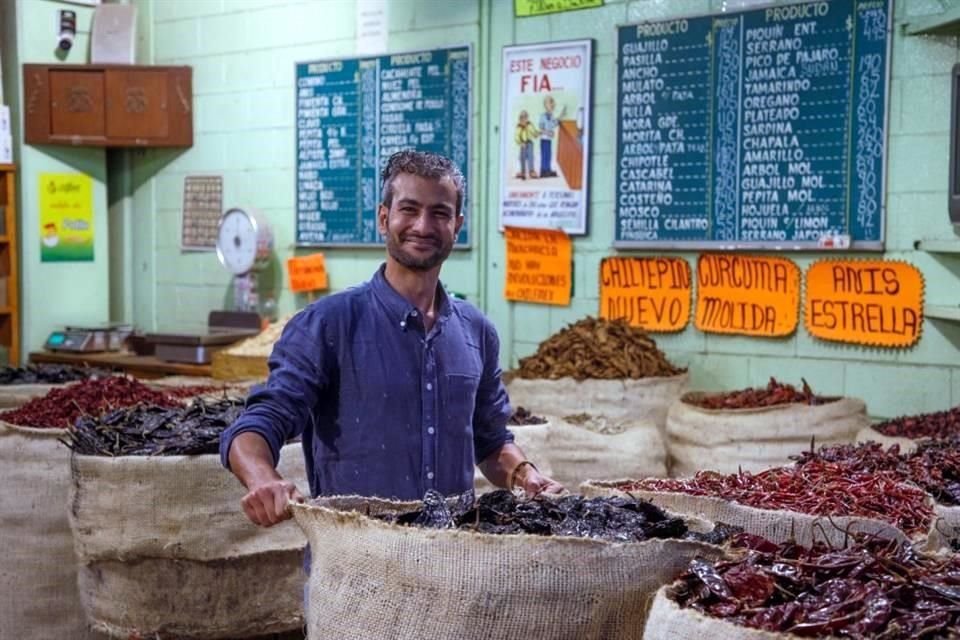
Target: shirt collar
(399, 308)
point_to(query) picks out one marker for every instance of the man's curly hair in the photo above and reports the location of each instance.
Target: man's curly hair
(425, 165)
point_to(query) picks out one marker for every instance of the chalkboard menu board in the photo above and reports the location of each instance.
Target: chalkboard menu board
(758, 129)
(353, 114)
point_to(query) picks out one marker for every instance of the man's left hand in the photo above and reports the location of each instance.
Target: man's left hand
(534, 483)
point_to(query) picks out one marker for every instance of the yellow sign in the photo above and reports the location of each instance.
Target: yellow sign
(528, 8)
(66, 217)
(868, 302)
(539, 266)
(307, 273)
(651, 293)
(747, 295)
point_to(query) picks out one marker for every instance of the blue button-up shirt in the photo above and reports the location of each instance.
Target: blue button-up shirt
(384, 408)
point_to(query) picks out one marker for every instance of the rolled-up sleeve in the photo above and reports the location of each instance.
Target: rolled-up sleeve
(492, 411)
(279, 409)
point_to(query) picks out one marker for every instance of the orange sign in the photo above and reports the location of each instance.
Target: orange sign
(650, 293)
(747, 295)
(869, 302)
(307, 273)
(539, 266)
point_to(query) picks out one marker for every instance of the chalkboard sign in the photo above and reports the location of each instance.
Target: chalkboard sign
(759, 129)
(353, 114)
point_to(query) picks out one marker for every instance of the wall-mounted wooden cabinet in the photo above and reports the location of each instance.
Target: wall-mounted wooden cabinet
(108, 105)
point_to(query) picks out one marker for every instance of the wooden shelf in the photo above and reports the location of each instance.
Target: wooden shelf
(938, 246)
(942, 312)
(10, 266)
(940, 24)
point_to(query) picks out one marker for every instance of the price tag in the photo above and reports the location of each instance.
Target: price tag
(747, 295)
(539, 266)
(307, 273)
(868, 302)
(651, 293)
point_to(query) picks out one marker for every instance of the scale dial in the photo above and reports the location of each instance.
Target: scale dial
(244, 241)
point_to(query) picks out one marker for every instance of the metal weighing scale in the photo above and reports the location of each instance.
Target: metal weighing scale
(244, 247)
(80, 339)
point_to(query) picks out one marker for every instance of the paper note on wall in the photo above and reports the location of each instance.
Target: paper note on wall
(528, 8)
(747, 295)
(539, 266)
(307, 273)
(66, 217)
(651, 293)
(868, 302)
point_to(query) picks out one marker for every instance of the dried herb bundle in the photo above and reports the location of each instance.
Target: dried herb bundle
(816, 488)
(598, 349)
(873, 589)
(774, 394)
(155, 431)
(500, 512)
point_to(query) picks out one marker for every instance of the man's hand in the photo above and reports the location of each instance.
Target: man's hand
(534, 483)
(266, 503)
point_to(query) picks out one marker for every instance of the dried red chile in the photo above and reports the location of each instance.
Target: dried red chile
(816, 488)
(873, 589)
(941, 424)
(774, 394)
(60, 408)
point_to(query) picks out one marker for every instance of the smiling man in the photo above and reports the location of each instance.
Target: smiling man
(394, 386)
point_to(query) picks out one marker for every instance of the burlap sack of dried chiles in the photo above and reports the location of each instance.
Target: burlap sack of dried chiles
(755, 429)
(143, 524)
(372, 578)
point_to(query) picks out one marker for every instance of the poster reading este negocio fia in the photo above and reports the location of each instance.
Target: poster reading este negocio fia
(545, 133)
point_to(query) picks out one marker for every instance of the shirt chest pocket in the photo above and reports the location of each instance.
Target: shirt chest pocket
(460, 396)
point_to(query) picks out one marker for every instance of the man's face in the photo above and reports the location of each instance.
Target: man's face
(422, 222)
(548, 104)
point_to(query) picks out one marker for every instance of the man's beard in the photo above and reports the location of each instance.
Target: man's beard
(412, 262)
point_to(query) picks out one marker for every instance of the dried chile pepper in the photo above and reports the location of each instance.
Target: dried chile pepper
(774, 394)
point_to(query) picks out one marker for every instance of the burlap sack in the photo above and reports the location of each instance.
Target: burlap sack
(668, 621)
(603, 447)
(17, 395)
(776, 526)
(532, 440)
(945, 534)
(646, 399)
(869, 434)
(39, 599)
(755, 439)
(370, 579)
(165, 548)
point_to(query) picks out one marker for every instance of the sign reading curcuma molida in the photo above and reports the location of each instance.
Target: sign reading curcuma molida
(759, 129)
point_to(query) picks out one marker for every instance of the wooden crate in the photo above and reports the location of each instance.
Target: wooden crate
(230, 367)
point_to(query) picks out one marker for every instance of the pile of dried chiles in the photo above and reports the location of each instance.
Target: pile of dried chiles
(48, 374)
(941, 424)
(613, 519)
(60, 408)
(597, 349)
(156, 431)
(523, 418)
(934, 466)
(817, 488)
(872, 589)
(774, 394)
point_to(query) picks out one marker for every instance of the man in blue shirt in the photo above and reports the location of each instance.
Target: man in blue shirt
(394, 386)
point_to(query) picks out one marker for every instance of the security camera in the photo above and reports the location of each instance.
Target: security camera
(66, 29)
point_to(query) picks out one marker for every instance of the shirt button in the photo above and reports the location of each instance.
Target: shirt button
(430, 476)
(429, 386)
(430, 430)
(414, 313)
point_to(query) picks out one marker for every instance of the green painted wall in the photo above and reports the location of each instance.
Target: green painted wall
(243, 52)
(54, 294)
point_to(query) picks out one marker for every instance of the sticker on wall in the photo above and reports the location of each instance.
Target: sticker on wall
(528, 8)
(747, 295)
(651, 293)
(307, 273)
(545, 149)
(66, 217)
(539, 266)
(867, 302)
